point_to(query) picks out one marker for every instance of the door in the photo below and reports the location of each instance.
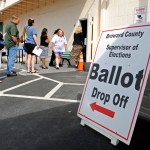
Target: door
(84, 30)
(90, 52)
(1, 27)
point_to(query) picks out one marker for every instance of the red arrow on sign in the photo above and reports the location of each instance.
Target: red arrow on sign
(102, 110)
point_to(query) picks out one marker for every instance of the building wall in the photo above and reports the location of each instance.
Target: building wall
(64, 14)
(116, 13)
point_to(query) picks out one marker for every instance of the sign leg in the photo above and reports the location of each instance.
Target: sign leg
(114, 140)
(82, 122)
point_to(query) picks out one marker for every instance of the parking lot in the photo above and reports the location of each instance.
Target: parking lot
(39, 112)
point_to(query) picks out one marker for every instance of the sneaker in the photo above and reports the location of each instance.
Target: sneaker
(11, 75)
(57, 67)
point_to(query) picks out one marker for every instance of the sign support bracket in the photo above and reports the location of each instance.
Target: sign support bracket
(114, 141)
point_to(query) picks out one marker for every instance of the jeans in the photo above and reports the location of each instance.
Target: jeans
(12, 55)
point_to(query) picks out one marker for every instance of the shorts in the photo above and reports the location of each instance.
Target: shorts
(28, 47)
(60, 53)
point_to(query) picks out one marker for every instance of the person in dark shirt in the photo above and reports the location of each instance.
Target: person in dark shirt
(1, 41)
(45, 40)
(11, 41)
(77, 45)
(1, 45)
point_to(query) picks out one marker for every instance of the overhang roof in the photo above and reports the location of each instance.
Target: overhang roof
(22, 7)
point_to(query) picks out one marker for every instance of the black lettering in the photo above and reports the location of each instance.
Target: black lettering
(116, 99)
(94, 92)
(103, 77)
(102, 96)
(112, 74)
(118, 75)
(94, 72)
(107, 36)
(130, 81)
(98, 94)
(139, 77)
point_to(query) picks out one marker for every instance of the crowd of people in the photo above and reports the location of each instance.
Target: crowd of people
(57, 44)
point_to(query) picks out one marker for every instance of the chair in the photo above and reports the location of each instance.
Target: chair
(66, 56)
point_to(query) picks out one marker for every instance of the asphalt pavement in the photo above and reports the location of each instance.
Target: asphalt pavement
(39, 112)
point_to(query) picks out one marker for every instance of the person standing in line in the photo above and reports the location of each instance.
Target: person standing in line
(58, 44)
(77, 45)
(11, 41)
(44, 43)
(1, 46)
(29, 45)
(51, 63)
(24, 35)
(1, 41)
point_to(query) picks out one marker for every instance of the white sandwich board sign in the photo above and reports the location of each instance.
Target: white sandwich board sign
(116, 81)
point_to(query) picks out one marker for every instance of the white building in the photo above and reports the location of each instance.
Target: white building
(93, 15)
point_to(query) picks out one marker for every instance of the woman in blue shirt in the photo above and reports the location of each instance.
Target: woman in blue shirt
(29, 45)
